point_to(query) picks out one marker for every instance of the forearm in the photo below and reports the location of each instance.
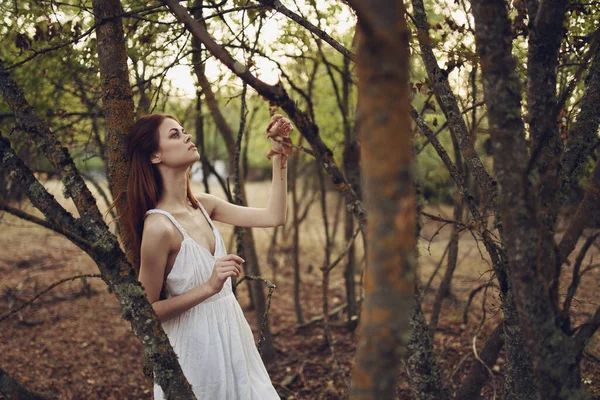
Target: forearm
(278, 195)
(175, 306)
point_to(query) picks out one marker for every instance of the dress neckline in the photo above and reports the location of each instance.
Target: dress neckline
(186, 236)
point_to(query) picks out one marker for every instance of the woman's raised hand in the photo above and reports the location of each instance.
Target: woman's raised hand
(225, 267)
(279, 132)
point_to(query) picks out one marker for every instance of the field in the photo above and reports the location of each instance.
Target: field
(73, 343)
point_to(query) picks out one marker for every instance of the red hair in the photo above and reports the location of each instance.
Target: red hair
(145, 184)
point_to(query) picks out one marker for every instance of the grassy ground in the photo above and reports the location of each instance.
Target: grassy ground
(76, 348)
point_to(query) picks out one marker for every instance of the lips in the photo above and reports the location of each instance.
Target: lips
(192, 147)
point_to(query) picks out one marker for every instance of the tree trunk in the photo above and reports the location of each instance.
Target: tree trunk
(425, 380)
(554, 354)
(387, 160)
(478, 375)
(91, 234)
(117, 98)
(351, 165)
(293, 182)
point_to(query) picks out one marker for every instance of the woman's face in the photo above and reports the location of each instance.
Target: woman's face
(175, 147)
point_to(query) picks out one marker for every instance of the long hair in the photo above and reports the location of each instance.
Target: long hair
(145, 184)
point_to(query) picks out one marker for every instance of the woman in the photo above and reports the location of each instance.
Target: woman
(182, 254)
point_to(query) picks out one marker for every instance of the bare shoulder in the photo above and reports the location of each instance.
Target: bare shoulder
(158, 229)
(209, 202)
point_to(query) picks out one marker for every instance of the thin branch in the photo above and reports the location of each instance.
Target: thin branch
(342, 254)
(276, 4)
(52, 48)
(278, 95)
(437, 268)
(39, 131)
(576, 276)
(263, 324)
(81, 242)
(49, 288)
(40, 198)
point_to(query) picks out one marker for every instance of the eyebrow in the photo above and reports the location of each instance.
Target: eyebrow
(175, 129)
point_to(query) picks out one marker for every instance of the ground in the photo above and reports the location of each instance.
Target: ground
(73, 343)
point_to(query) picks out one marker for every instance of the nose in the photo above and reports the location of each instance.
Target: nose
(189, 138)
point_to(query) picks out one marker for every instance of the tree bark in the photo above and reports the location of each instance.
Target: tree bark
(554, 356)
(424, 376)
(583, 134)
(518, 360)
(118, 102)
(545, 37)
(293, 187)
(444, 289)
(387, 160)
(585, 211)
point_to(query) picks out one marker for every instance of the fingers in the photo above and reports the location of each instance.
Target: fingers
(233, 257)
(230, 268)
(229, 271)
(274, 121)
(280, 123)
(230, 260)
(276, 117)
(274, 126)
(234, 264)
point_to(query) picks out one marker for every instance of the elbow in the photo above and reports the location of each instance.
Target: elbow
(157, 311)
(283, 220)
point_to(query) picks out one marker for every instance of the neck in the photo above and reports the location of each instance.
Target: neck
(174, 196)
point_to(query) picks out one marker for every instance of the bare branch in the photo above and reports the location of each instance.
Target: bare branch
(278, 95)
(276, 4)
(45, 140)
(57, 217)
(588, 205)
(49, 49)
(58, 228)
(576, 276)
(43, 292)
(449, 104)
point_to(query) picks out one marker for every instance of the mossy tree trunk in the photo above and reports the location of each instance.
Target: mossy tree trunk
(526, 220)
(90, 233)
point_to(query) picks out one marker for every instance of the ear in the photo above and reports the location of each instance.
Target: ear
(155, 158)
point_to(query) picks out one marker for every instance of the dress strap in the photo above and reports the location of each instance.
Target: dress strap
(206, 215)
(171, 217)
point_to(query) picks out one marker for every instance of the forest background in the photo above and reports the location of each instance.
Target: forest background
(75, 74)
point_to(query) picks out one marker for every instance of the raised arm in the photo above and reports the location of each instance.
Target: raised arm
(275, 213)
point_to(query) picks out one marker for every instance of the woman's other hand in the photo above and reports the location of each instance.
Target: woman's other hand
(225, 267)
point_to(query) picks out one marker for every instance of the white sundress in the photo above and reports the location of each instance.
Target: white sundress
(212, 340)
